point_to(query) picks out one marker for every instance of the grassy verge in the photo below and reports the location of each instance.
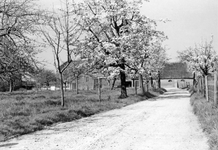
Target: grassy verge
(208, 117)
(22, 113)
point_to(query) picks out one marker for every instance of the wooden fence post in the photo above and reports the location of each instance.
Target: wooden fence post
(147, 85)
(206, 88)
(77, 85)
(136, 84)
(198, 85)
(203, 86)
(99, 88)
(215, 88)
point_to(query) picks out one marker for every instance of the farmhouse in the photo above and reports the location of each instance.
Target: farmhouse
(176, 75)
(173, 75)
(88, 82)
(76, 77)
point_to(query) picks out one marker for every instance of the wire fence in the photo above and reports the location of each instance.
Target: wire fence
(208, 86)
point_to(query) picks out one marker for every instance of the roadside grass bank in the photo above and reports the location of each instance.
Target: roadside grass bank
(26, 112)
(208, 116)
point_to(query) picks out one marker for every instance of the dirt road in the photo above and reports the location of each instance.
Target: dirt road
(164, 123)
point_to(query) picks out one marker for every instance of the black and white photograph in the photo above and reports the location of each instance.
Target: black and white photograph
(108, 74)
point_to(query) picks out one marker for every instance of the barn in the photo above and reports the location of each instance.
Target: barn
(176, 74)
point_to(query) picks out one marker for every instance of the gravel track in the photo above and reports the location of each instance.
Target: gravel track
(163, 123)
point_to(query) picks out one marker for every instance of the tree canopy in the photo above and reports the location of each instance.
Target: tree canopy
(117, 36)
(18, 25)
(110, 36)
(200, 59)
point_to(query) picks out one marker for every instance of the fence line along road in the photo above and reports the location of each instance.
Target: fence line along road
(208, 86)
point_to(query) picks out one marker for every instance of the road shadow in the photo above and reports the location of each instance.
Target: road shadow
(8, 145)
(173, 97)
(173, 94)
(67, 126)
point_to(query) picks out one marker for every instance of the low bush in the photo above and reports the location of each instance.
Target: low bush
(208, 117)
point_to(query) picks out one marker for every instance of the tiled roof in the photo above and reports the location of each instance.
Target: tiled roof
(176, 70)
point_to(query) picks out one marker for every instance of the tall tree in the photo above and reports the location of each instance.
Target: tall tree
(61, 32)
(18, 19)
(200, 59)
(18, 24)
(145, 50)
(109, 26)
(156, 62)
(14, 63)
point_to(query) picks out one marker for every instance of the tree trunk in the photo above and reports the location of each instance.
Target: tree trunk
(65, 86)
(62, 90)
(141, 84)
(99, 89)
(158, 83)
(47, 85)
(77, 85)
(123, 82)
(10, 86)
(194, 82)
(158, 80)
(135, 85)
(152, 82)
(147, 86)
(204, 87)
(113, 83)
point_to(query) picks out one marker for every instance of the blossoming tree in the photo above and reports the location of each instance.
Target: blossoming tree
(200, 59)
(61, 33)
(115, 32)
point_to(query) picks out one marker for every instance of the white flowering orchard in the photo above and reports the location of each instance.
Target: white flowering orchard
(200, 59)
(118, 38)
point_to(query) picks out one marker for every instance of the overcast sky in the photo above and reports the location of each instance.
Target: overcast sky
(191, 22)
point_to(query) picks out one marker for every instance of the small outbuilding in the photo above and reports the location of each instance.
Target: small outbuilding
(176, 74)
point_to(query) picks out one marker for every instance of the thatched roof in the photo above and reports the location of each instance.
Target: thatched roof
(176, 70)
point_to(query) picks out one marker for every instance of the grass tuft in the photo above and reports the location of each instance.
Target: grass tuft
(208, 116)
(52, 102)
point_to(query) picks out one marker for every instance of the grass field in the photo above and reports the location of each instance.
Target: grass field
(208, 117)
(26, 112)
